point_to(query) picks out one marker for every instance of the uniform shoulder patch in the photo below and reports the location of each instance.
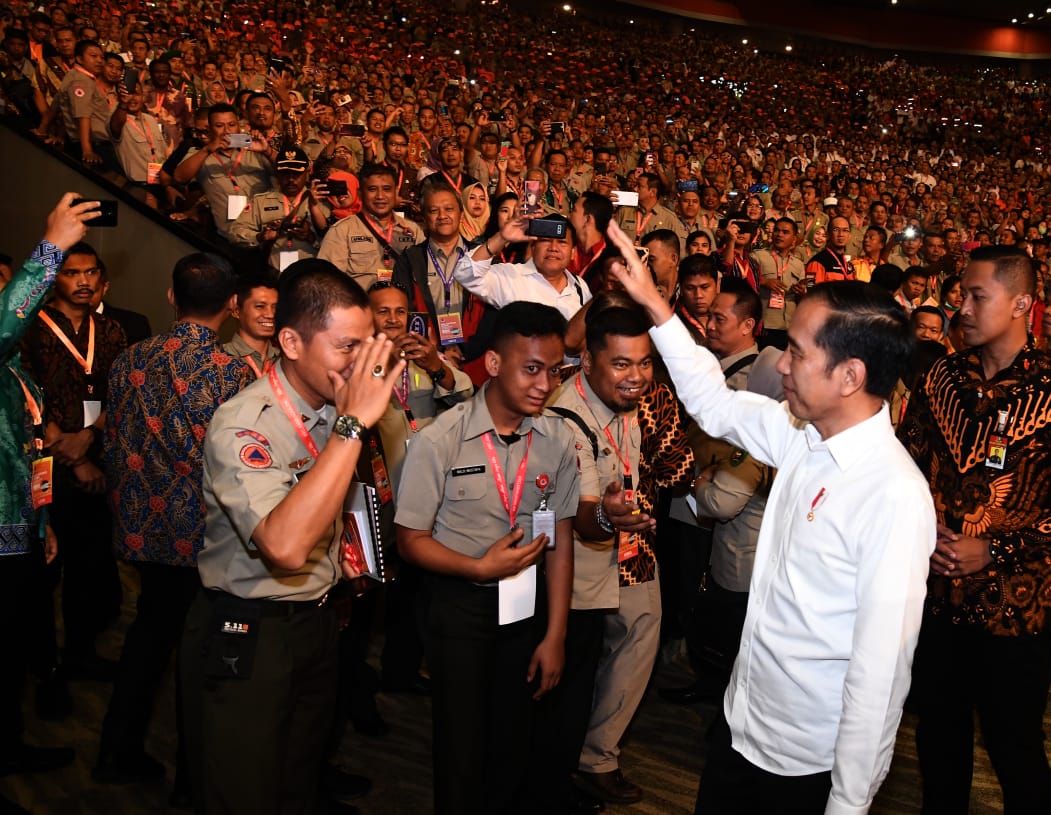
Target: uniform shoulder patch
(78, 91)
(259, 437)
(255, 456)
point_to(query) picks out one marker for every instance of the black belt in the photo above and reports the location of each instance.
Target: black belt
(265, 607)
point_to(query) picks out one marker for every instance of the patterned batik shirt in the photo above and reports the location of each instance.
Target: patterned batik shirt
(163, 392)
(947, 430)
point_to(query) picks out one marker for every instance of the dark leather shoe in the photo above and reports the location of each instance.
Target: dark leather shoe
(127, 769)
(339, 785)
(611, 787)
(24, 758)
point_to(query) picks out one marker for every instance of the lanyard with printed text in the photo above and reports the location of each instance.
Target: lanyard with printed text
(144, 129)
(511, 503)
(446, 282)
(87, 363)
(403, 398)
(293, 414)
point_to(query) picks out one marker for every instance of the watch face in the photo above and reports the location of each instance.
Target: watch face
(348, 427)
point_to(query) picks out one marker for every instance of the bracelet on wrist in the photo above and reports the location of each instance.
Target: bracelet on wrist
(602, 519)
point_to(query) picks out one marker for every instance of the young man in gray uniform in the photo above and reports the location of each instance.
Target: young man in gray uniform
(260, 642)
(488, 489)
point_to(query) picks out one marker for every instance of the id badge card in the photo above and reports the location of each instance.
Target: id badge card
(42, 481)
(153, 172)
(384, 275)
(996, 453)
(381, 479)
(450, 329)
(544, 524)
(286, 259)
(92, 411)
(627, 546)
(235, 205)
(777, 299)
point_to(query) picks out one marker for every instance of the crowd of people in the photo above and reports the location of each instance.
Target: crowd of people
(536, 372)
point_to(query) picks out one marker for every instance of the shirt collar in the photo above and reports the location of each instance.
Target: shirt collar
(599, 409)
(311, 418)
(851, 445)
(726, 362)
(480, 422)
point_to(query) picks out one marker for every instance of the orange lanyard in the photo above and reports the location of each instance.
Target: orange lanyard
(641, 225)
(267, 364)
(388, 234)
(511, 503)
(559, 196)
(625, 438)
(293, 415)
(780, 268)
(146, 134)
(86, 364)
(233, 169)
(160, 105)
(293, 206)
(32, 407)
(457, 184)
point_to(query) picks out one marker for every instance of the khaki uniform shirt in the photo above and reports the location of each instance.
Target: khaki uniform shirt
(141, 143)
(447, 484)
(252, 459)
(80, 97)
(265, 208)
(596, 579)
(253, 176)
(351, 246)
(792, 273)
(637, 224)
(240, 349)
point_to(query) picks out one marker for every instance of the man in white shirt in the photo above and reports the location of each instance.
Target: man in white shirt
(541, 279)
(838, 584)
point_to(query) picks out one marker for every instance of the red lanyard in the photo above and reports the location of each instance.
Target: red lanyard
(32, 407)
(388, 235)
(517, 190)
(510, 504)
(641, 225)
(146, 134)
(293, 206)
(403, 399)
(842, 261)
(267, 363)
(233, 169)
(293, 414)
(162, 95)
(559, 196)
(780, 269)
(455, 184)
(86, 364)
(690, 318)
(624, 460)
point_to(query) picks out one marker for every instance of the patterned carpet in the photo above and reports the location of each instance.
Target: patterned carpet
(664, 753)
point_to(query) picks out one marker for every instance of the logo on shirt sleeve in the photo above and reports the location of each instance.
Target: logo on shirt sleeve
(256, 457)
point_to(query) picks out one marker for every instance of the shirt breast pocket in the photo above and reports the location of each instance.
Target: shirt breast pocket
(466, 487)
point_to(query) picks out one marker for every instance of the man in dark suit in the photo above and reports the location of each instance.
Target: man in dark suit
(136, 326)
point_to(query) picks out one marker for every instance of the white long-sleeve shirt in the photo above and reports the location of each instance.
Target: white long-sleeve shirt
(837, 589)
(501, 283)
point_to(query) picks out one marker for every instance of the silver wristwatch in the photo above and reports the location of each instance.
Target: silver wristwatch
(349, 427)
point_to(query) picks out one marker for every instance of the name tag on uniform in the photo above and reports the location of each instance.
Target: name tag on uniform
(474, 469)
(777, 299)
(153, 172)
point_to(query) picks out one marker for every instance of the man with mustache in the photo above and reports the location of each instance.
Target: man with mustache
(69, 351)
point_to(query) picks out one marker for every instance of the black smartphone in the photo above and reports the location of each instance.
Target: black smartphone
(497, 116)
(336, 188)
(600, 168)
(131, 79)
(558, 128)
(356, 131)
(544, 228)
(107, 212)
(277, 65)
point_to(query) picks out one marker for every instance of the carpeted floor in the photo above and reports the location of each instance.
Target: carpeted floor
(664, 753)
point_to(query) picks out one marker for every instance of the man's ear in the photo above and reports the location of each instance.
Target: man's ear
(586, 362)
(853, 376)
(1023, 303)
(291, 343)
(171, 299)
(492, 362)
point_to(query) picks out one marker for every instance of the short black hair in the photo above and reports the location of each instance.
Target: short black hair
(866, 323)
(202, 284)
(665, 236)
(395, 130)
(747, 304)
(372, 169)
(611, 315)
(1012, 267)
(913, 271)
(84, 45)
(432, 190)
(308, 291)
(697, 266)
(599, 207)
(784, 219)
(526, 319)
(932, 310)
(256, 95)
(258, 279)
(947, 286)
(222, 107)
(886, 276)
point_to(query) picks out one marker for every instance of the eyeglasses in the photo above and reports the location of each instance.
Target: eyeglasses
(841, 229)
(397, 144)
